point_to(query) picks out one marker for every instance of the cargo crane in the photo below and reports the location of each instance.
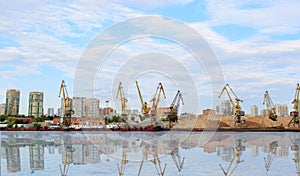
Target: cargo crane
(156, 98)
(236, 106)
(145, 109)
(123, 100)
(271, 155)
(177, 159)
(121, 167)
(67, 105)
(237, 154)
(295, 113)
(173, 115)
(270, 106)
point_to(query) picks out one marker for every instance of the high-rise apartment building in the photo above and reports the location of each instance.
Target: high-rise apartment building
(281, 110)
(35, 108)
(2, 109)
(91, 108)
(225, 108)
(12, 102)
(50, 112)
(78, 107)
(36, 154)
(264, 112)
(254, 111)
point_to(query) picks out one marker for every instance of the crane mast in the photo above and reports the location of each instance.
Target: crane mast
(270, 106)
(124, 161)
(177, 159)
(156, 98)
(295, 112)
(123, 100)
(172, 116)
(236, 106)
(67, 104)
(145, 109)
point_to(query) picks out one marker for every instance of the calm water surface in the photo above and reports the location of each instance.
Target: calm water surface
(149, 153)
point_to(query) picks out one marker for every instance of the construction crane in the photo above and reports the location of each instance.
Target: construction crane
(121, 167)
(271, 155)
(177, 159)
(123, 100)
(270, 106)
(145, 109)
(237, 154)
(156, 98)
(236, 106)
(173, 115)
(67, 104)
(295, 102)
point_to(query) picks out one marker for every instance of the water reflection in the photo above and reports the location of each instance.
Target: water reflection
(136, 153)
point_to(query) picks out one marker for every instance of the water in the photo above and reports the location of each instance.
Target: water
(179, 153)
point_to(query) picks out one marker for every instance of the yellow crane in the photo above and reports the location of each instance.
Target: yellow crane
(173, 114)
(145, 109)
(121, 167)
(271, 155)
(123, 100)
(270, 106)
(156, 98)
(67, 104)
(295, 102)
(236, 106)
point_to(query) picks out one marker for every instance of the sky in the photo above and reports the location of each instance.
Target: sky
(256, 43)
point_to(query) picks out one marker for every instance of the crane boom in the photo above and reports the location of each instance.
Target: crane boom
(173, 115)
(156, 98)
(236, 106)
(145, 109)
(295, 112)
(120, 94)
(67, 104)
(270, 106)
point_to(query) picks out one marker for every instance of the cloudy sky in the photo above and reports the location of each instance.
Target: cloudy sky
(257, 44)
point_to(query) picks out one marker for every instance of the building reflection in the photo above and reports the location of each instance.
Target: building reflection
(13, 158)
(83, 149)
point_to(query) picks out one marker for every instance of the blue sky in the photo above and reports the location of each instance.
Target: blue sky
(257, 43)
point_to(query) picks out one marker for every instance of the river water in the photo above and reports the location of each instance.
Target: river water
(149, 153)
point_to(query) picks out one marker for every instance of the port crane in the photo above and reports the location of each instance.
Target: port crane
(177, 159)
(271, 155)
(270, 106)
(121, 166)
(67, 104)
(236, 106)
(145, 108)
(156, 98)
(122, 98)
(237, 154)
(173, 115)
(295, 112)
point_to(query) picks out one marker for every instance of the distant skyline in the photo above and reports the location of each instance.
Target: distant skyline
(257, 44)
